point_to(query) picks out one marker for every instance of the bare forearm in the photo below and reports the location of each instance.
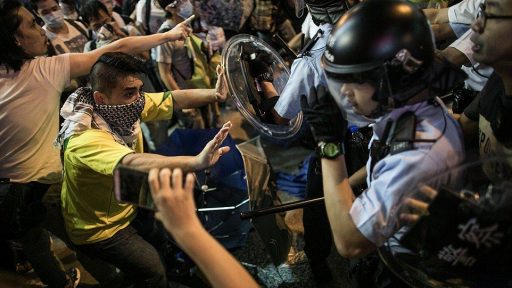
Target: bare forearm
(219, 266)
(437, 16)
(137, 44)
(443, 31)
(337, 191)
(455, 56)
(164, 69)
(193, 98)
(146, 161)
(349, 241)
(358, 178)
(268, 89)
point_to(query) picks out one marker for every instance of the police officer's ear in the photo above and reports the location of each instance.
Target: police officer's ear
(99, 97)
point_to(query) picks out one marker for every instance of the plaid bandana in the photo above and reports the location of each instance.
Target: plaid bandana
(80, 113)
(121, 118)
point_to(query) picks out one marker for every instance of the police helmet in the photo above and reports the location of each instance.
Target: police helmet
(389, 44)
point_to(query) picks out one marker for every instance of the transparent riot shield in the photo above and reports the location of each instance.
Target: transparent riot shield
(245, 90)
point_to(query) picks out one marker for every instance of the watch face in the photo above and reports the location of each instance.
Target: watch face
(331, 149)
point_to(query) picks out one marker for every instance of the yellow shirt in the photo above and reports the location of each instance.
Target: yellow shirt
(91, 212)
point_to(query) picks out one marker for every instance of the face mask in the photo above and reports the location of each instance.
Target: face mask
(121, 118)
(185, 9)
(54, 19)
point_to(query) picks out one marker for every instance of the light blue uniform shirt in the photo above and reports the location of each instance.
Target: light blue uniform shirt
(305, 73)
(376, 212)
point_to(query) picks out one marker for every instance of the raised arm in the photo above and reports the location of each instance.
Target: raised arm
(177, 211)
(437, 16)
(208, 157)
(193, 98)
(81, 63)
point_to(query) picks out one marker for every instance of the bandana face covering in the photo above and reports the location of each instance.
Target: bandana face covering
(121, 118)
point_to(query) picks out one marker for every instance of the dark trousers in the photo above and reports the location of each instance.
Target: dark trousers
(22, 215)
(132, 254)
(317, 231)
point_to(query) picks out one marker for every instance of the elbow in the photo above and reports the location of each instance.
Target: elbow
(349, 250)
(127, 160)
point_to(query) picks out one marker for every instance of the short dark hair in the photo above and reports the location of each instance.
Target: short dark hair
(112, 66)
(91, 9)
(33, 4)
(11, 55)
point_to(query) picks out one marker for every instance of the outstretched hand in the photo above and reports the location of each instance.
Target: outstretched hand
(221, 87)
(179, 32)
(418, 207)
(212, 151)
(175, 203)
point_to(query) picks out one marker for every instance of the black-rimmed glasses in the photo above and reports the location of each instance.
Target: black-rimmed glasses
(484, 16)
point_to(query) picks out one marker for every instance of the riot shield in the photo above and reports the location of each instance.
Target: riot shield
(245, 91)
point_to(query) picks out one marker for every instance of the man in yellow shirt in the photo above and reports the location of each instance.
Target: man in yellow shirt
(102, 130)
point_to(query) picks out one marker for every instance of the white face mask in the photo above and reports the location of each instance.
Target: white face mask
(54, 19)
(185, 9)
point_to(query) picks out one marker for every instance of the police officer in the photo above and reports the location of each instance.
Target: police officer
(380, 58)
(306, 72)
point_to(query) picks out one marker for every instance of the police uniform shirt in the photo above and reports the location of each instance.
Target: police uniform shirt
(375, 212)
(306, 72)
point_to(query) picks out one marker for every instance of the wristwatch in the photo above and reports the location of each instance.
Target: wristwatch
(330, 150)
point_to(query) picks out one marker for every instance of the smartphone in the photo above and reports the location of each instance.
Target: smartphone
(131, 186)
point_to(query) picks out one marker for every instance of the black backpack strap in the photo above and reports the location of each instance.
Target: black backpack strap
(93, 45)
(148, 14)
(51, 49)
(79, 28)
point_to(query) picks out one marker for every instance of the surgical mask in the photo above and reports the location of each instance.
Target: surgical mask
(185, 9)
(54, 19)
(68, 11)
(121, 118)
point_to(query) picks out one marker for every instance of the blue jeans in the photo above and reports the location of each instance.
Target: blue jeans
(134, 256)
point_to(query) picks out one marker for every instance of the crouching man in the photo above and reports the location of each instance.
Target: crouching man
(102, 130)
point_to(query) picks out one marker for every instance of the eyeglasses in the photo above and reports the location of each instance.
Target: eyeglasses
(484, 16)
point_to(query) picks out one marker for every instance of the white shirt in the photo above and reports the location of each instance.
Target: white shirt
(72, 42)
(464, 12)
(29, 119)
(156, 15)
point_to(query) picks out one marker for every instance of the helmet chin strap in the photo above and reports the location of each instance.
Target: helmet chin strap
(386, 99)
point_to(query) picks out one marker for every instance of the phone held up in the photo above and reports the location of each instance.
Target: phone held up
(131, 186)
